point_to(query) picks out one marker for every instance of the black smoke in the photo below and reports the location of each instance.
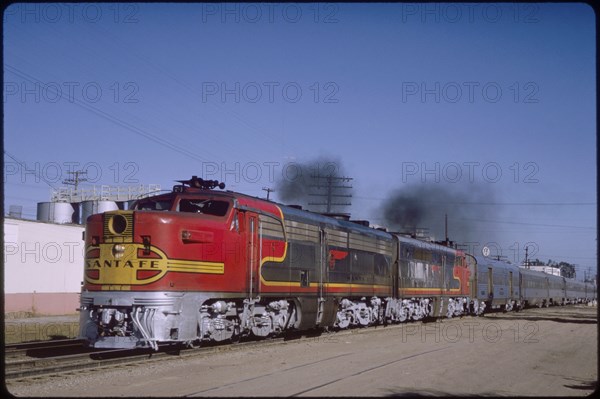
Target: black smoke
(315, 183)
(423, 207)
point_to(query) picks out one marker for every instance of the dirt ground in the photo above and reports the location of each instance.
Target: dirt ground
(537, 352)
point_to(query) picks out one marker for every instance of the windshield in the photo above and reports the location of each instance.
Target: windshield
(204, 206)
(153, 205)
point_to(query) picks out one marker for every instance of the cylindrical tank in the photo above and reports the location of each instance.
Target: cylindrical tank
(77, 212)
(56, 212)
(89, 208)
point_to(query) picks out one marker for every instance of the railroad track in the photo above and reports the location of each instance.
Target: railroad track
(43, 364)
(55, 357)
(42, 348)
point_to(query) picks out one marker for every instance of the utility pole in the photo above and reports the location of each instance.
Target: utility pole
(332, 183)
(446, 226)
(268, 190)
(526, 262)
(75, 180)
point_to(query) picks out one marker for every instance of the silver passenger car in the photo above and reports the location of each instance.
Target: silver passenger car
(497, 284)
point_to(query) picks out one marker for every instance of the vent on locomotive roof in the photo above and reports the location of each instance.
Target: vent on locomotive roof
(296, 206)
(338, 216)
(361, 222)
(412, 234)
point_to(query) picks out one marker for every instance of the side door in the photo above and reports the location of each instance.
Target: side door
(252, 254)
(327, 304)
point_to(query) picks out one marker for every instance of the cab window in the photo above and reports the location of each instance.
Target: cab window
(153, 205)
(203, 206)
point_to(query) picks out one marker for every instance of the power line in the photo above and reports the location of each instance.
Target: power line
(76, 179)
(527, 224)
(157, 139)
(492, 203)
(24, 166)
(185, 85)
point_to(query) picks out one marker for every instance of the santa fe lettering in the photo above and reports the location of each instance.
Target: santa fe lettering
(140, 264)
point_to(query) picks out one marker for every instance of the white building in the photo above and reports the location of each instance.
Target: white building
(43, 267)
(555, 271)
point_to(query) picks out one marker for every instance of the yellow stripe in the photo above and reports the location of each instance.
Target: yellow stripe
(195, 267)
(349, 285)
(429, 289)
(287, 284)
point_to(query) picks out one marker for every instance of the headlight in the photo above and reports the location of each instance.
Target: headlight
(118, 250)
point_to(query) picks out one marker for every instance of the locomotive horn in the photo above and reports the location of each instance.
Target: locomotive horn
(199, 182)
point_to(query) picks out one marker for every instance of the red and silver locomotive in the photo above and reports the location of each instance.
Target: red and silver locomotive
(198, 264)
(201, 264)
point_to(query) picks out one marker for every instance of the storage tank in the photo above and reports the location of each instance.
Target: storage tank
(89, 208)
(56, 212)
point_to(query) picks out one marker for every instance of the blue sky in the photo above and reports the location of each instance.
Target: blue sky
(397, 94)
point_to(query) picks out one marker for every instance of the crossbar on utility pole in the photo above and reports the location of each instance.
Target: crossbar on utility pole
(268, 190)
(330, 187)
(75, 180)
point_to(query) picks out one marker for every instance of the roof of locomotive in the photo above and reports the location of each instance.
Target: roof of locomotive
(289, 212)
(292, 213)
(424, 244)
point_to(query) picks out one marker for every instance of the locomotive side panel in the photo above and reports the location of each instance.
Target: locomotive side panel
(432, 280)
(431, 269)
